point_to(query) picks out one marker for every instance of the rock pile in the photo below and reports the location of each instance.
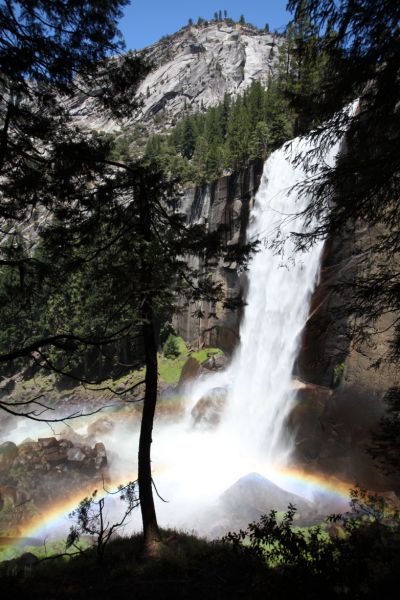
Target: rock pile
(43, 471)
(51, 454)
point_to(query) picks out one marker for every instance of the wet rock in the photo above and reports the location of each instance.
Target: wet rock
(55, 456)
(207, 411)
(8, 453)
(47, 442)
(305, 420)
(100, 449)
(75, 455)
(215, 363)
(100, 455)
(102, 426)
(65, 444)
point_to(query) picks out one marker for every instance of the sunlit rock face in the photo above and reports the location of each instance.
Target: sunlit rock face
(193, 70)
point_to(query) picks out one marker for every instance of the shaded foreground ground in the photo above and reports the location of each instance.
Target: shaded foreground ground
(358, 557)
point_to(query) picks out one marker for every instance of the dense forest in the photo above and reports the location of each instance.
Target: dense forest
(93, 265)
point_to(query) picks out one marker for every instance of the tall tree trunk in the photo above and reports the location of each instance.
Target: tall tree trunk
(151, 533)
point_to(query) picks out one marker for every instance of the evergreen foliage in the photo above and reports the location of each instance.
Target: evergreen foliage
(171, 347)
(360, 45)
(227, 136)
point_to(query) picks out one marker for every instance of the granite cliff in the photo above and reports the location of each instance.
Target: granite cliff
(192, 71)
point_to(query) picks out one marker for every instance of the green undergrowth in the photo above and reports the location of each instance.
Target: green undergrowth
(43, 551)
(271, 559)
(170, 368)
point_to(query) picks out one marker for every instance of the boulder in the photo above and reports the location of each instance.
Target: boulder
(102, 426)
(8, 453)
(100, 455)
(75, 455)
(54, 456)
(207, 411)
(215, 363)
(65, 444)
(48, 442)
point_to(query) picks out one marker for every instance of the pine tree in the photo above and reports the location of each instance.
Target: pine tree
(107, 220)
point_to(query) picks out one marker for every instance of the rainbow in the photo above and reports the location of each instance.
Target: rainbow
(56, 515)
(311, 485)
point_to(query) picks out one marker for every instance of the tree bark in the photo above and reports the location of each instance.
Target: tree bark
(151, 532)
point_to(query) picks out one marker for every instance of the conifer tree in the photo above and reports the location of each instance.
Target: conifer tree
(107, 220)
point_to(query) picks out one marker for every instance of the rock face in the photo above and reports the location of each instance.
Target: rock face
(224, 206)
(193, 70)
(208, 410)
(334, 427)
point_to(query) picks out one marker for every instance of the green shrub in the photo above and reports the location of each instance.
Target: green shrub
(171, 347)
(338, 373)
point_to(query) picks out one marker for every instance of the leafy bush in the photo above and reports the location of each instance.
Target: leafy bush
(171, 347)
(357, 558)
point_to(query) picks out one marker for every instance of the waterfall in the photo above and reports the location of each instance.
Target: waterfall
(196, 462)
(258, 381)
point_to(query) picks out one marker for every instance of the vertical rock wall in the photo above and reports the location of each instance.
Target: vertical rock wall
(333, 427)
(222, 206)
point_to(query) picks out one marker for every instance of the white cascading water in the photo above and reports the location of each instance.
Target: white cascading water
(197, 464)
(259, 380)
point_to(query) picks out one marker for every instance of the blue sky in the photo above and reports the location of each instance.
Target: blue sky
(145, 21)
